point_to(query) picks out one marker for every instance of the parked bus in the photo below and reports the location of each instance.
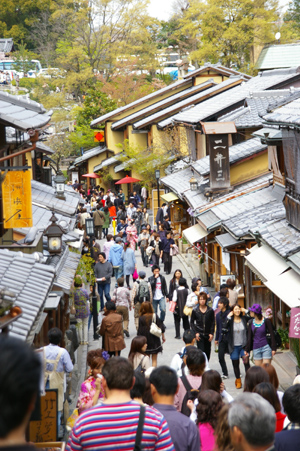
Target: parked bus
(12, 65)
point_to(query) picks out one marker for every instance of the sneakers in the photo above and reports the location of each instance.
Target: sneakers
(224, 376)
(178, 337)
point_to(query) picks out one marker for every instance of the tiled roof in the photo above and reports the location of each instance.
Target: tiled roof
(21, 112)
(42, 147)
(236, 153)
(44, 195)
(89, 154)
(65, 269)
(179, 182)
(153, 95)
(281, 236)
(195, 99)
(212, 108)
(217, 67)
(278, 56)
(287, 114)
(226, 240)
(201, 203)
(31, 282)
(107, 162)
(6, 45)
(163, 104)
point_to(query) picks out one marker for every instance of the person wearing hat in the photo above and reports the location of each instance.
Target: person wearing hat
(116, 259)
(141, 292)
(261, 338)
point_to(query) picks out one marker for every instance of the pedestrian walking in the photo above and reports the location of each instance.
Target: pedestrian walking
(159, 216)
(180, 295)
(80, 298)
(221, 339)
(106, 221)
(166, 245)
(92, 389)
(143, 243)
(113, 425)
(147, 316)
(145, 216)
(138, 219)
(111, 330)
(258, 329)
(121, 297)
(233, 294)
(121, 195)
(237, 340)
(116, 259)
(131, 233)
(164, 384)
(99, 220)
(141, 292)
(129, 262)
(289, 438)
(208, 409)
(103, 274)
(160, 291)
(267, 391)
(174, 283)
(203, 324)
(144, 195)
(137, 355)
(108, 244)
(130, 210)
(155, 244)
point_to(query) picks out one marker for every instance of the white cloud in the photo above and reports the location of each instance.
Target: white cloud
(161, 9)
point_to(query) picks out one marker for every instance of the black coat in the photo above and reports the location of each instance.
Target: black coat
(164, 287)
(203, 323)
(153, 342)
(172, 287)
(269, 329)
(230, 335)
(159, 216)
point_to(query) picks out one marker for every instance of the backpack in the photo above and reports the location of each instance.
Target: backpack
(143, 292)
(191, 394)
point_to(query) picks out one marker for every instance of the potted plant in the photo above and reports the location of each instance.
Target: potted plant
(284, 335)
(295, 347)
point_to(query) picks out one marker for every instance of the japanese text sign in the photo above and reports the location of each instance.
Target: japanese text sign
(45, 430)
(16, 198)
(219, 161)
(295, 323)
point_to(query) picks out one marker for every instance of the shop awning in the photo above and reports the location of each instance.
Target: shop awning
(226, 240)
(265, 263)
(286, 287)
(169, 197)
(195, 233)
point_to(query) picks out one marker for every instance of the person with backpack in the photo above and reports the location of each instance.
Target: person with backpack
(137, 354)
(141, 292)
(121, 297)
(178, 362)
(180, 296)
(189, 385)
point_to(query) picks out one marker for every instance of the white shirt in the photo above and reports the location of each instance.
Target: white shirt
(177, 362)
(158, 293)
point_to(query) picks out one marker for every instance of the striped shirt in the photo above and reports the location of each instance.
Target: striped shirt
(112, 427)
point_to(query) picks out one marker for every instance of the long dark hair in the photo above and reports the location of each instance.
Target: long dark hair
(211, 380)
(147, 310)
(173, 278)
(136, 346)
(126, 246)
(208, 407)
(268, 392)
(254, 376)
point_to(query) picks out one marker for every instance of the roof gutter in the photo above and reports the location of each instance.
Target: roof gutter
(33, 139)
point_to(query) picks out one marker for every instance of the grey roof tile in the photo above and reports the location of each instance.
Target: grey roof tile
(45, 195)
(214, 107)
(66, 269)
(179, 182)
(286, 114)
(89, 154)
(281, 236)
(278, 56)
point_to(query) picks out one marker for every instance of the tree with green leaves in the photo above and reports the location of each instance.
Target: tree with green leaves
(290, 30)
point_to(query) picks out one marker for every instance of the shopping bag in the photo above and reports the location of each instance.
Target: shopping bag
(72, 419)
(135, 275)
(172, 306)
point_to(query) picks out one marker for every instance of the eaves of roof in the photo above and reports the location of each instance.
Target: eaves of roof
(138, 102)
(90, 154)
(216, 67)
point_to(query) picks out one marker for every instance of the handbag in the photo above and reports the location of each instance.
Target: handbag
(135, 275)
(187, 310)
(72, 419)
(72, 309)
(154, 329)
(172, 306)
(174, 250)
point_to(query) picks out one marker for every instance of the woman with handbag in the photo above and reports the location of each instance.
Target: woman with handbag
(151, 327)
(180, 296)
(129, 263)
(137, 355)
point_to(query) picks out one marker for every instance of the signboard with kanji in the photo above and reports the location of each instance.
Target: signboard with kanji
(219, 161)
(45, 430)
(16, 198)
(294, 331)
(99, 137)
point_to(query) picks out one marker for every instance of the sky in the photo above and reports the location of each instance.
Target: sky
(160, 8)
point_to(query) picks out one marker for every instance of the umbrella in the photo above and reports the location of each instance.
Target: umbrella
(92, 176)
(127, 179)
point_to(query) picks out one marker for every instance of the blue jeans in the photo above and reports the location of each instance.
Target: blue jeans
(104, 288)
(162, 306)
(118, 273)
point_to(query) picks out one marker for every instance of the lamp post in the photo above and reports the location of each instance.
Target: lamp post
(54, 233)
(157, 175)
(59, 181)
(193, 184)
(90, 231)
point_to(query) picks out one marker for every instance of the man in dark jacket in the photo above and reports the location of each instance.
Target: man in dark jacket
(289, 438)
(159, 290)
(160, 216)
(165, 253)
(221, 333)
(103, 274)
(203, 324)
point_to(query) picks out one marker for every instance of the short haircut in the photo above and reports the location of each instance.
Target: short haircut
(223, 292)
(139, 387)
(120, 281)
(195, 361)
(55, 336)
(118, 373)
(20, 372)
(110, 305)
(109, 237)
(102, 254)
(203, 295)
(231, 283)
(194, 287)
(223, 285)
(188, 336)
(268, 392)
(142, 276)
(182, 282)
(164, 380)
(254, 417)
(155, 267)
(224, 300)
(291, 403)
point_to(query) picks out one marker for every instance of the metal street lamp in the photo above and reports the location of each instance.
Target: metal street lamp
(90, 227)
(54, 233)
(59, 181)
(193, 184)
(157, 175)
